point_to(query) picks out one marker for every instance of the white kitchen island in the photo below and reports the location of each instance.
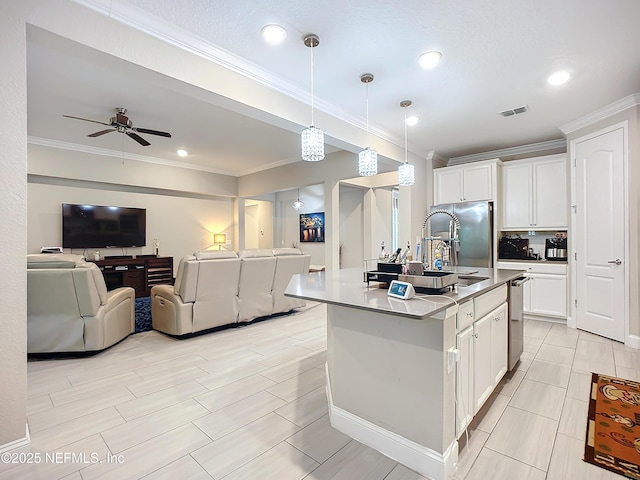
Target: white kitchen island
(391, 363)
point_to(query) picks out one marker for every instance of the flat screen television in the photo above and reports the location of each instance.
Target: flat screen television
(91, 226)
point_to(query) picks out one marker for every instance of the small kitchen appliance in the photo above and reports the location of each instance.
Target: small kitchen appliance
(556, 249)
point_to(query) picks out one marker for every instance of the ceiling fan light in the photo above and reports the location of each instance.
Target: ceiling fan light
(367, 163)
(406, 175)
(312, 141)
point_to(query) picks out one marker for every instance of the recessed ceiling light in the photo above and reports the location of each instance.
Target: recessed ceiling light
(182, 153)
(412, 120)
(274, 34)
(558, 78)
(430, 59)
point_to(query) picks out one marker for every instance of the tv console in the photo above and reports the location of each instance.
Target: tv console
(141, 273)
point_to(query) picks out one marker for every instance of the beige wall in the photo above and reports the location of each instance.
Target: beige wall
(183, 225)
(13, 211)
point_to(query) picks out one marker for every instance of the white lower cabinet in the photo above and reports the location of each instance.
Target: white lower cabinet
(547, 295)
(483, 381)
(482, 362)
(464, 380)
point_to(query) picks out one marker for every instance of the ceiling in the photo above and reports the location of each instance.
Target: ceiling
(497, 55)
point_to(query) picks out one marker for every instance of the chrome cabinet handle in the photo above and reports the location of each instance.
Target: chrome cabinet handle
(470, 314)
(474, 335)
(617, 261)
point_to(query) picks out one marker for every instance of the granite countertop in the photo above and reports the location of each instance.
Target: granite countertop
(347, 288)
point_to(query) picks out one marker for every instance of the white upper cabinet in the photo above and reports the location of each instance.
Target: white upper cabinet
(535, 194)
(466, 183)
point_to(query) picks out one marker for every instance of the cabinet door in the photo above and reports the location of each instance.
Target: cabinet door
(550, 194)
(477, 183)
(517, 195)
(482, 377)
(548, 294)
(464, 380)
(499, 342)
(448, 185)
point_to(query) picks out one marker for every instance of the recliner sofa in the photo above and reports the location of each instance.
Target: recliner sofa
(69, 308)
(215, 288)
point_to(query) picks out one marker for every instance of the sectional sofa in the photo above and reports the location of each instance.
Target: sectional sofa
(215, 288)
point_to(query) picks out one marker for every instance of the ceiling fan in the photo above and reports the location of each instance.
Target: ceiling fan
(121, 123)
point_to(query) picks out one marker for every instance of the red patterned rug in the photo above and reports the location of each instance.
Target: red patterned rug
(613, 426)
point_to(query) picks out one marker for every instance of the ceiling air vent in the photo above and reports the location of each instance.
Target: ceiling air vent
(514, 111)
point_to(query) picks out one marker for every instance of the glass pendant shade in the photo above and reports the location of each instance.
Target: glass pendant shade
(298, 204)
(312, 140)
(367, 162)
(406, 175)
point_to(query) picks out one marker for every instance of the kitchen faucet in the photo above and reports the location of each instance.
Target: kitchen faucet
(454, 229)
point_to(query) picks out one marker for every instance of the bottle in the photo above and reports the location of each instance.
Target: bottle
(395, 258)
(382, 254)
(437, 262)
(409, 255)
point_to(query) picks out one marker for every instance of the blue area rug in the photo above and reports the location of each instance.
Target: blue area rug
(143, 314)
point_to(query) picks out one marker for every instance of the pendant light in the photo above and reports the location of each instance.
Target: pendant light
(406, 172)
(298, 204)
(367, 158)
(312, 138)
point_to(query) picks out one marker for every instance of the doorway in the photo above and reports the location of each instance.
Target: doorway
(600, 234)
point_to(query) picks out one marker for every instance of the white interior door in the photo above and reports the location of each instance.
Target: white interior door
(600, 235)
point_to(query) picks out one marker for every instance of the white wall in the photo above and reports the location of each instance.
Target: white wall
(351, 227)
(183, 225)
(13, 211)
(258, 224)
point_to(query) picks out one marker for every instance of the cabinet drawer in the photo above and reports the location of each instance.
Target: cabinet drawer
(465, 315)
(490, 300)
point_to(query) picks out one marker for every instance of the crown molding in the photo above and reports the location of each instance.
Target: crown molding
(145, 22)
(531, 148)
(602, 113)
(75, 147)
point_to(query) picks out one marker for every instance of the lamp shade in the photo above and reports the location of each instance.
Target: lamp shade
(367, 162)
(406, 175)
(312, 139)
(219, 238)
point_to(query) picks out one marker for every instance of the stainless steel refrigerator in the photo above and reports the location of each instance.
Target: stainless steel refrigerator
(476, 231)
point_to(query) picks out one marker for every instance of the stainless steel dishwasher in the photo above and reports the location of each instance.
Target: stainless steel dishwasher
(516, 322)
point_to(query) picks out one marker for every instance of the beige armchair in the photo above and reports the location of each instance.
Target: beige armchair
(69, 308)
(257, 269)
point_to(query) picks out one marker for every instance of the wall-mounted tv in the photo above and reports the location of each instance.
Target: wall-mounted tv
(91, 226)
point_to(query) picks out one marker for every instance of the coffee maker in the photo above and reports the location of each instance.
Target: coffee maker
(556, 249)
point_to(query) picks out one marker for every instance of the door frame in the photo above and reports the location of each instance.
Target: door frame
(573, 308)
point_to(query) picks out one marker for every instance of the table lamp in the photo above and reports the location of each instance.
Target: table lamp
(219, 239)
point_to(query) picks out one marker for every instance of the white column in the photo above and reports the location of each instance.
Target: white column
(332, 225)
(13, 241)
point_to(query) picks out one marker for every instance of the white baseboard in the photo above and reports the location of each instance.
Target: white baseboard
(427, 462)
(633, 341)
(16, 444)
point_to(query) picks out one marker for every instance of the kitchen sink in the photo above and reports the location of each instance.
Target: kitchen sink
(434, 280)
(466, 281)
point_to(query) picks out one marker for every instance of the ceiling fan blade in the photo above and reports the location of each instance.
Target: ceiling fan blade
(138, 139)
(152, 132)
(87, 120)
(101, 132)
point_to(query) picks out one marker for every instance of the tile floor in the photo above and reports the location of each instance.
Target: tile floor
(250, 403)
